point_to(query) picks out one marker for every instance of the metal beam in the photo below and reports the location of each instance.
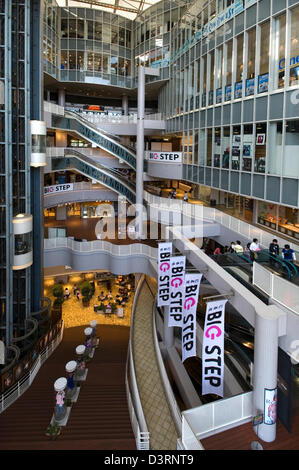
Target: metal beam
(107, 5)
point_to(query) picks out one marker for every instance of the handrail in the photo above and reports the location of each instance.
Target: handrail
(176, 412)
(14, 392)
(43, 309)
(108, 135)
(138, 405)
(27, 335)
(101, 245)
(17, 352)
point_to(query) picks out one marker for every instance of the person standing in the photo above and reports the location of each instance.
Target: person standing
(186, 196)
(254, 248)
(239, 248)
(273, 251)
(288, 254)
(232, 247)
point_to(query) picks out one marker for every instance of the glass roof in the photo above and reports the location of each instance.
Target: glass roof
(127, 8)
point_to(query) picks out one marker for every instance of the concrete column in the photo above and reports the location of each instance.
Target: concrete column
(140, 149)
(265, 366)
(61, 97)
(168, 331)
(125, 105)
(61, 212)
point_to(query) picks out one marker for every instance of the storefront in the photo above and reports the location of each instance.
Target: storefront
(282, 219)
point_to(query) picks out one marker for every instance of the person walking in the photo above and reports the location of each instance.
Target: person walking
(288, 254)
(254, 248)
(239, 248)
(186, 196)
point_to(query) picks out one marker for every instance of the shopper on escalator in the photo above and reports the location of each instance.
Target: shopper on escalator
(254, 249)
(273, 251)
(288, 254)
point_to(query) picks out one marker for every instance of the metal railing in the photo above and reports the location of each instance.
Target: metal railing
(176, 412)
(277, 288)
(102, 245)
(139, 425)
(217, 416)
(13, 393)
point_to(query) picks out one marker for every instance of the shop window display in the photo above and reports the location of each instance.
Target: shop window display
(217, 146)
(248, 147)
(225, 147)
(236, 148)
(260, 148)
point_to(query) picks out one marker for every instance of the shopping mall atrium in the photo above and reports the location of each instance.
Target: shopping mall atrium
(149, 225)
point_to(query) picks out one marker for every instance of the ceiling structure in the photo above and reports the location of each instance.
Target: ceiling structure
(127, 8)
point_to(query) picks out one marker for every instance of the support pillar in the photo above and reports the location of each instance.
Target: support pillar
(61, 97)
(125, 105)
(265, 370)
(140, 150)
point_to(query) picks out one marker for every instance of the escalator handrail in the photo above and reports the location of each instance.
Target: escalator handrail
(281, 261)
(96, 129)
(98, 166)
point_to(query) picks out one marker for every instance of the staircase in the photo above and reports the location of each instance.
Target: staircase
(98, 420)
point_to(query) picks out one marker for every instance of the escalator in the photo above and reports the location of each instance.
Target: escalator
(73, 122)
(111, 178)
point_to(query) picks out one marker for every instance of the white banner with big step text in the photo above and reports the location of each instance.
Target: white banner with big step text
(164, 254)
(213, 348)
(177, 286)
(191, 291)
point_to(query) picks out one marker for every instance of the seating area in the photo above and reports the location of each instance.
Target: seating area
(110, 299)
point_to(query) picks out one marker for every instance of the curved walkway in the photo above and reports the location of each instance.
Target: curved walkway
(99, 419)
(163, 434)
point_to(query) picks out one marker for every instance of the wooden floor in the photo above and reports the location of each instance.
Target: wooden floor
(99, 419)
(240, 438)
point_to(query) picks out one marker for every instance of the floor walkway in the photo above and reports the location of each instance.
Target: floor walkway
(100, 418)
(163, 435)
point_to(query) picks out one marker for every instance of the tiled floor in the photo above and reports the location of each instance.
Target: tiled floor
(163, 435)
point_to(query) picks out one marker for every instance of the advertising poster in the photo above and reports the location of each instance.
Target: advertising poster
(177, 286)
(219, 95)
(263, 83)
(164, 254)
(213, 348)
(191, 291)
(58, 188)
(228, 93)
(238, 90)
(249, 87)
(270, 406)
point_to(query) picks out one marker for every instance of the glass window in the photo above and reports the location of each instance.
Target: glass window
(280, 25)
(251, 54)
(260, 148)
(209, 147)
(80, 29)
(290, 159)
(106, 33)
(225, 147)
(275, 147)
(265, 51)
(217, 146)
(240, 66)
(236, 146)
(23, 243)
(248, 147)
(294, 49)
(64, 28)
(72, 28)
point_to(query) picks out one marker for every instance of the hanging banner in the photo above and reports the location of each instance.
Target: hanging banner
(177, 285)
(213, 349)
(164, 254)
(191, 291)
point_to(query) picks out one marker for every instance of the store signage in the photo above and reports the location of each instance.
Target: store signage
(293, 61)
(164, 157)
(213, 349)
(270, 406)
(191, 291)
(177, 286)
(58, 188)
(164, 255)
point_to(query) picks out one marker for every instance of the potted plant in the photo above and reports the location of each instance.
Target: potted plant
(53, 430)
(101, 308)
(85, 290)
(58, 294)
(92, 288)
(113, 307)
